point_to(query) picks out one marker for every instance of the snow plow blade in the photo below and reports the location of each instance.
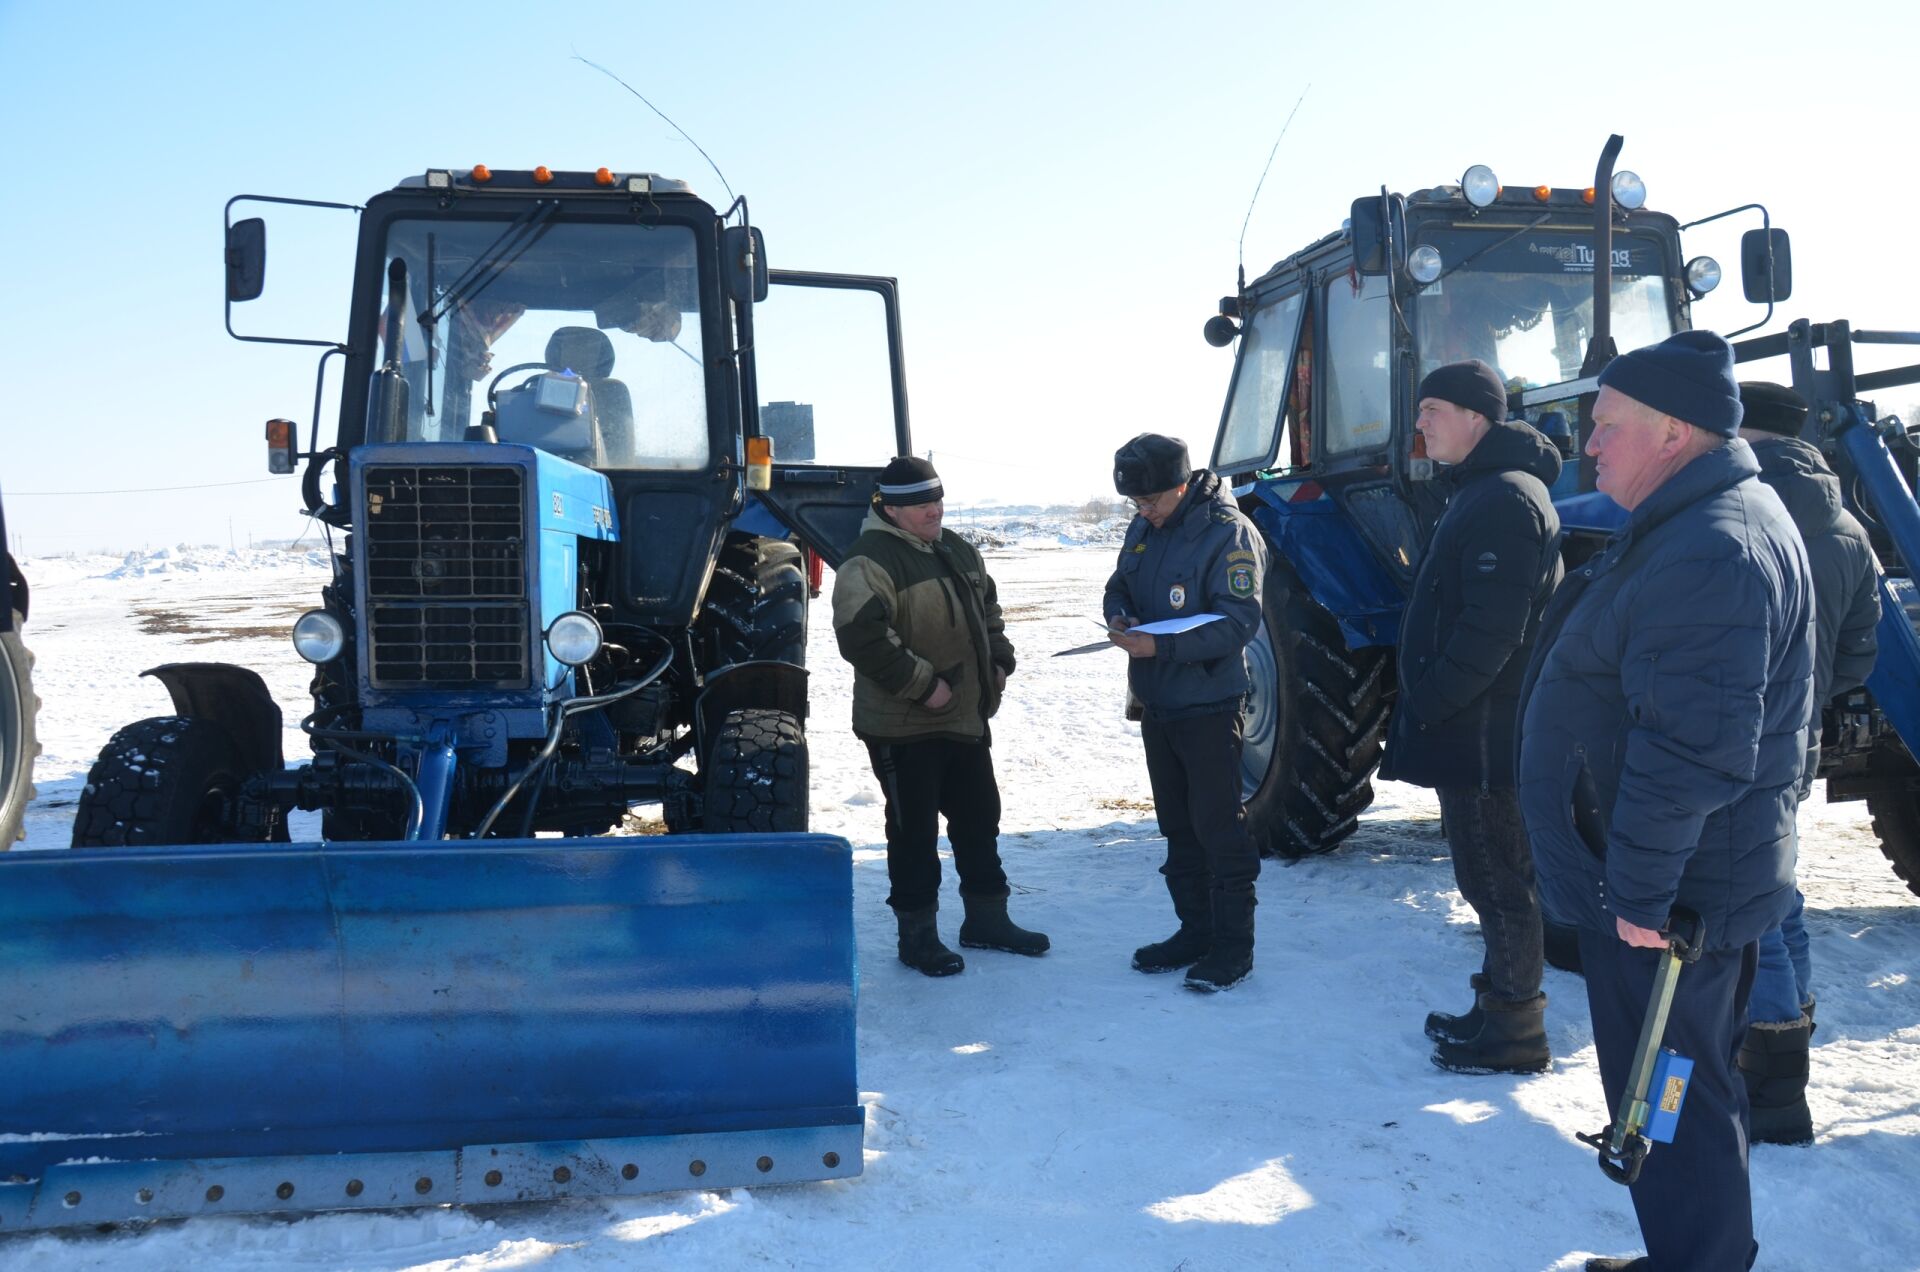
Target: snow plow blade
(243, 1029)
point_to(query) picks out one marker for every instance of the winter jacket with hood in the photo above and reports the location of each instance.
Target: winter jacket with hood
(1469, 623)
(907, 612)
(1664, 712)
(1207, 559)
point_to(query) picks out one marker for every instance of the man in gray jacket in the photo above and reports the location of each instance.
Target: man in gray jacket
(1191, 552)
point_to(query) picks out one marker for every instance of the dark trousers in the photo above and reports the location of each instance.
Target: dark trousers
(924, 781)
(1692, 1198)
(1193, 765)
(1493, 865)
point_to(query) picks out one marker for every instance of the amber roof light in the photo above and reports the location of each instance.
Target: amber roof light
(542, 175)
(602, 176)
(482, 173)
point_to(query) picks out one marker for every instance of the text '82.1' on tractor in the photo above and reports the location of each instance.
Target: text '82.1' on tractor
(577, 549)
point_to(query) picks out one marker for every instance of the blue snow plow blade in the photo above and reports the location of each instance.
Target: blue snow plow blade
(239, 1029)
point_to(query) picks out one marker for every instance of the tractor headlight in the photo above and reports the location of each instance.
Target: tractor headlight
(318, 636)
(1629, 191)
(1703, 274)
(1480, 185)
(1424, 263)
(574, 638)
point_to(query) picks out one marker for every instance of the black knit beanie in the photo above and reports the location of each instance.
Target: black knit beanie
(1471, 384)
(1689, 376)
(906, 481)
(1772, 408)
(1149, 464)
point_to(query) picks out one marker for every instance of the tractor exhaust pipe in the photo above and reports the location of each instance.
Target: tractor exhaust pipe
(1600, 350)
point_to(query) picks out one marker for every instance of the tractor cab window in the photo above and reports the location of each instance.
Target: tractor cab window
(1526, 305)
(581, 340)
(1259, 385)
(1356, 373)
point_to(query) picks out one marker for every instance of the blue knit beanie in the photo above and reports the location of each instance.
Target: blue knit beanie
(1689, 376)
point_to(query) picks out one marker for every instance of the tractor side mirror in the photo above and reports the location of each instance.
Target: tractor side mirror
(744, 263)
(246, 259)
(1364, 222)
(1766, 266)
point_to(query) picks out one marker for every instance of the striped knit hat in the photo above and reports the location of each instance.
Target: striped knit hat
(908, 480)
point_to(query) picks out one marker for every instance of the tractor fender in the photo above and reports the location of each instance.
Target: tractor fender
(778, 686)
(232, 697)
(1305, 525)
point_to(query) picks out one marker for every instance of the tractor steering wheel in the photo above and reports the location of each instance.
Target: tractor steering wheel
(493, 385)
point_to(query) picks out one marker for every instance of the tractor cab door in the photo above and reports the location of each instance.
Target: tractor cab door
(832, 398)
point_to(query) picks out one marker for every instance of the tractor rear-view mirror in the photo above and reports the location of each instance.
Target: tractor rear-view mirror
(1369, 235)
(1766, 266)
(744, 254)
(246, 259)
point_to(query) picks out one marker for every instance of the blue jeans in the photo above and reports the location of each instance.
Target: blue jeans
(1780, 986)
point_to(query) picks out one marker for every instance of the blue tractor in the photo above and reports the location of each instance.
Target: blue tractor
(1318, 437)
(576, 518)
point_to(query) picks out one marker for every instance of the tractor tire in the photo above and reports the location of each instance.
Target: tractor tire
(756, 606)
(1896, 822)
(755, 775)
(19, 738)
(1314, 726)
(168, 780)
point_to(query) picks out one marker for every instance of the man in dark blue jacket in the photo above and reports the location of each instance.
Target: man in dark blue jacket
(1663, 732)
(1464, 639)
(1191, 552)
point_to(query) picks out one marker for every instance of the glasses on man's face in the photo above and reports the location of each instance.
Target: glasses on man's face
(1143, 503)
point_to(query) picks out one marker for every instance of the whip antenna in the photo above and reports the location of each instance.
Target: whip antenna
(1241, 251)
(683, 132)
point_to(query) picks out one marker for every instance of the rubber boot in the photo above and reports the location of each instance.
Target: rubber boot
(1773, 1060)
(1512, 1039)
(1444, 1028)
(920, 946)
(987, 927)
(1188, 945)
(1230, 959)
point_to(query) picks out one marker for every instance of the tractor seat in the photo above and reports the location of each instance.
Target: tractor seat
(588, 353)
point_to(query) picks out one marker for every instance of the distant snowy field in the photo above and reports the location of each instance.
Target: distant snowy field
(1068, 1112)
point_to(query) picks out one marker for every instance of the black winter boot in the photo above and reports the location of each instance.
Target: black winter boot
(1773, 1060)
(1512, 1039)
(1444, 1028)
(987, 927)
(920, 946)
(1230, 959)
(1633, 1263)
(1190, 944)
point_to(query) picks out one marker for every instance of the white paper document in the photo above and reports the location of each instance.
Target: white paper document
(1169, 626)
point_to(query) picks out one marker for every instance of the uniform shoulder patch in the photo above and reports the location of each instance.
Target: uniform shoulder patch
(1226, 516)
(1242, 554)
(1139, 547)
(1240, 579)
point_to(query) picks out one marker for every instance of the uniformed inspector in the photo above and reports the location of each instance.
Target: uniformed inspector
(1190, 553)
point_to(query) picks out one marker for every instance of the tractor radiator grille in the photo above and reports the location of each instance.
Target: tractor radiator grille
(446, 575)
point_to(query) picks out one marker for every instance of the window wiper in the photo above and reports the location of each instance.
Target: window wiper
(524, 231)
(1502, 241)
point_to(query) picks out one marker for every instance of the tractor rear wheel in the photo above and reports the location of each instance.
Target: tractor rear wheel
(168, 780)
(755, 775)
(1896, 822)
(1314, 725)
(756, 606)
(19, 740)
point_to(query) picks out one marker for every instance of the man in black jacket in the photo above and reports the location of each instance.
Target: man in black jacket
(1464, 638)
(1846, 610)
(1191, 552)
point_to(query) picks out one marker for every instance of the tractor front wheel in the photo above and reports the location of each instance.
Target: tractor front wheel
(168, 780)
(19, 743)
(1896, 822)
(755, 775)
(1314, 725)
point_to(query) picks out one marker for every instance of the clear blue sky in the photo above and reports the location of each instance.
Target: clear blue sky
(1057, 187)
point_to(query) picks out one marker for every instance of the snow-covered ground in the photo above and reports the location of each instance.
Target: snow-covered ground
(1068, 1112)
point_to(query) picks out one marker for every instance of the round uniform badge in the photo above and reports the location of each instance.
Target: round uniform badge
(1240, 580)
(1177, 596)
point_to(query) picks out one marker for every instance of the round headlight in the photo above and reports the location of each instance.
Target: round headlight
(1629, 191)
(318, 636)
(574, 638)
(1424, 263)
(1480, 185)
(1703, 274)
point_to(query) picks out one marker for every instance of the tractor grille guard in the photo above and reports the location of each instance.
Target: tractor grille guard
(445, 575)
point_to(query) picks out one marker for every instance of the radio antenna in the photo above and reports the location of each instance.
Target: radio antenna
(1241, 251)
(663, 114)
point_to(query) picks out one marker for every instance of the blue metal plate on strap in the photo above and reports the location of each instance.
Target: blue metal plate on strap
(384, 1012)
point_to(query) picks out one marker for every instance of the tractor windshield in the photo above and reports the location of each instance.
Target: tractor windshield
(1526, 305)
(580, 339)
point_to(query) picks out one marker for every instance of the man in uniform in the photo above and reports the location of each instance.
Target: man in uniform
(1663, 733)
(1464, 640)
(1190, 552)
(918, 616)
